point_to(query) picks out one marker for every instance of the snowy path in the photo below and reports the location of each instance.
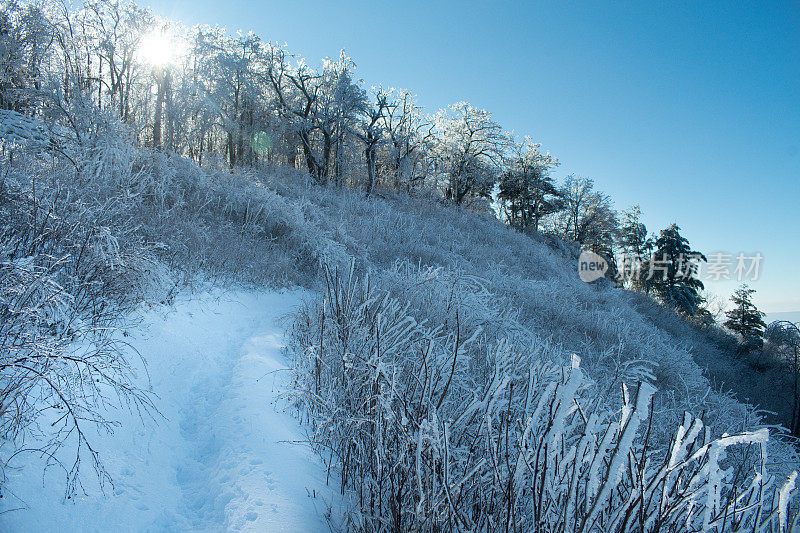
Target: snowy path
(224, 459)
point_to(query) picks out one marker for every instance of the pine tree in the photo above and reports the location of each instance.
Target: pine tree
(671, 272)
(745, 318)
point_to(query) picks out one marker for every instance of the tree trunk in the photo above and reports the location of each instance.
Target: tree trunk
(369, 153)
(161, 81)
(311, 162)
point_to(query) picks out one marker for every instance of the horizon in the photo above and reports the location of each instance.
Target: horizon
(659, 105)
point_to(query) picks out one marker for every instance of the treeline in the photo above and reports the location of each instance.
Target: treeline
(215, 97)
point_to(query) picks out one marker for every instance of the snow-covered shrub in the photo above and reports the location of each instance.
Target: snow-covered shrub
(66, 281)
(429, 428)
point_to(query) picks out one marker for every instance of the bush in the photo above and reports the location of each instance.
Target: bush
(66, 282)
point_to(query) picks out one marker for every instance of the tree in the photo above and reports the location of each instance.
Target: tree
(341, 99)
(371, 133)
(672, 271)
(588, 218)
(322, 108)
(527, 190)
(469, 151)
(117, 28)
(296, 91)
(633, 233)
(25, 48)
(635, 245)
(745, 319)
(409, 134)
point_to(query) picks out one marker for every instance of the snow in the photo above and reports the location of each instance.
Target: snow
(226, 456)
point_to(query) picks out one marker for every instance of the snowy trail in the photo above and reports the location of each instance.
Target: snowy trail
(225, 458)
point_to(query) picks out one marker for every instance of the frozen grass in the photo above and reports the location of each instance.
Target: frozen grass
(433, 427)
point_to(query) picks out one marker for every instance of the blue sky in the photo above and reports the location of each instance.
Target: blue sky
(690, 109)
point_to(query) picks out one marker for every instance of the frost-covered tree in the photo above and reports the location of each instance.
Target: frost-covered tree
(409, 135)
(745, 319)
(527, 191)
(633, 237)
(322, 108)
(671, 271)
(340, 102)
(296, 90)
(588, 218)
(369, 130)
(25, 45)
(469, 151)
(117, 29)
(635, 246)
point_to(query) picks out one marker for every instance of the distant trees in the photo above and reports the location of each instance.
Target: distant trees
(672, 271)
(745, 319)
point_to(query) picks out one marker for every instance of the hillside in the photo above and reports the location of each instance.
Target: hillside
(167, 193)
(276, 228)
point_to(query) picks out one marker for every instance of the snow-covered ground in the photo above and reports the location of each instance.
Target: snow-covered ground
(225, 457)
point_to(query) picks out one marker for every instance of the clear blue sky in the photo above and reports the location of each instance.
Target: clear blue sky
(690, 109)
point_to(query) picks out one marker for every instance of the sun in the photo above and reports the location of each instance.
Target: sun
(157, 49)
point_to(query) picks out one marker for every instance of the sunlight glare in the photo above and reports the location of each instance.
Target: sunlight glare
(157, 49)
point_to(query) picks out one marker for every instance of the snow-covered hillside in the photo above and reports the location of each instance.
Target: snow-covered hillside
(227, 455)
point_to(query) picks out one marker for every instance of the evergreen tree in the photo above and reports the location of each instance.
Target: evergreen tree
(671, 272)
(745, 318)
